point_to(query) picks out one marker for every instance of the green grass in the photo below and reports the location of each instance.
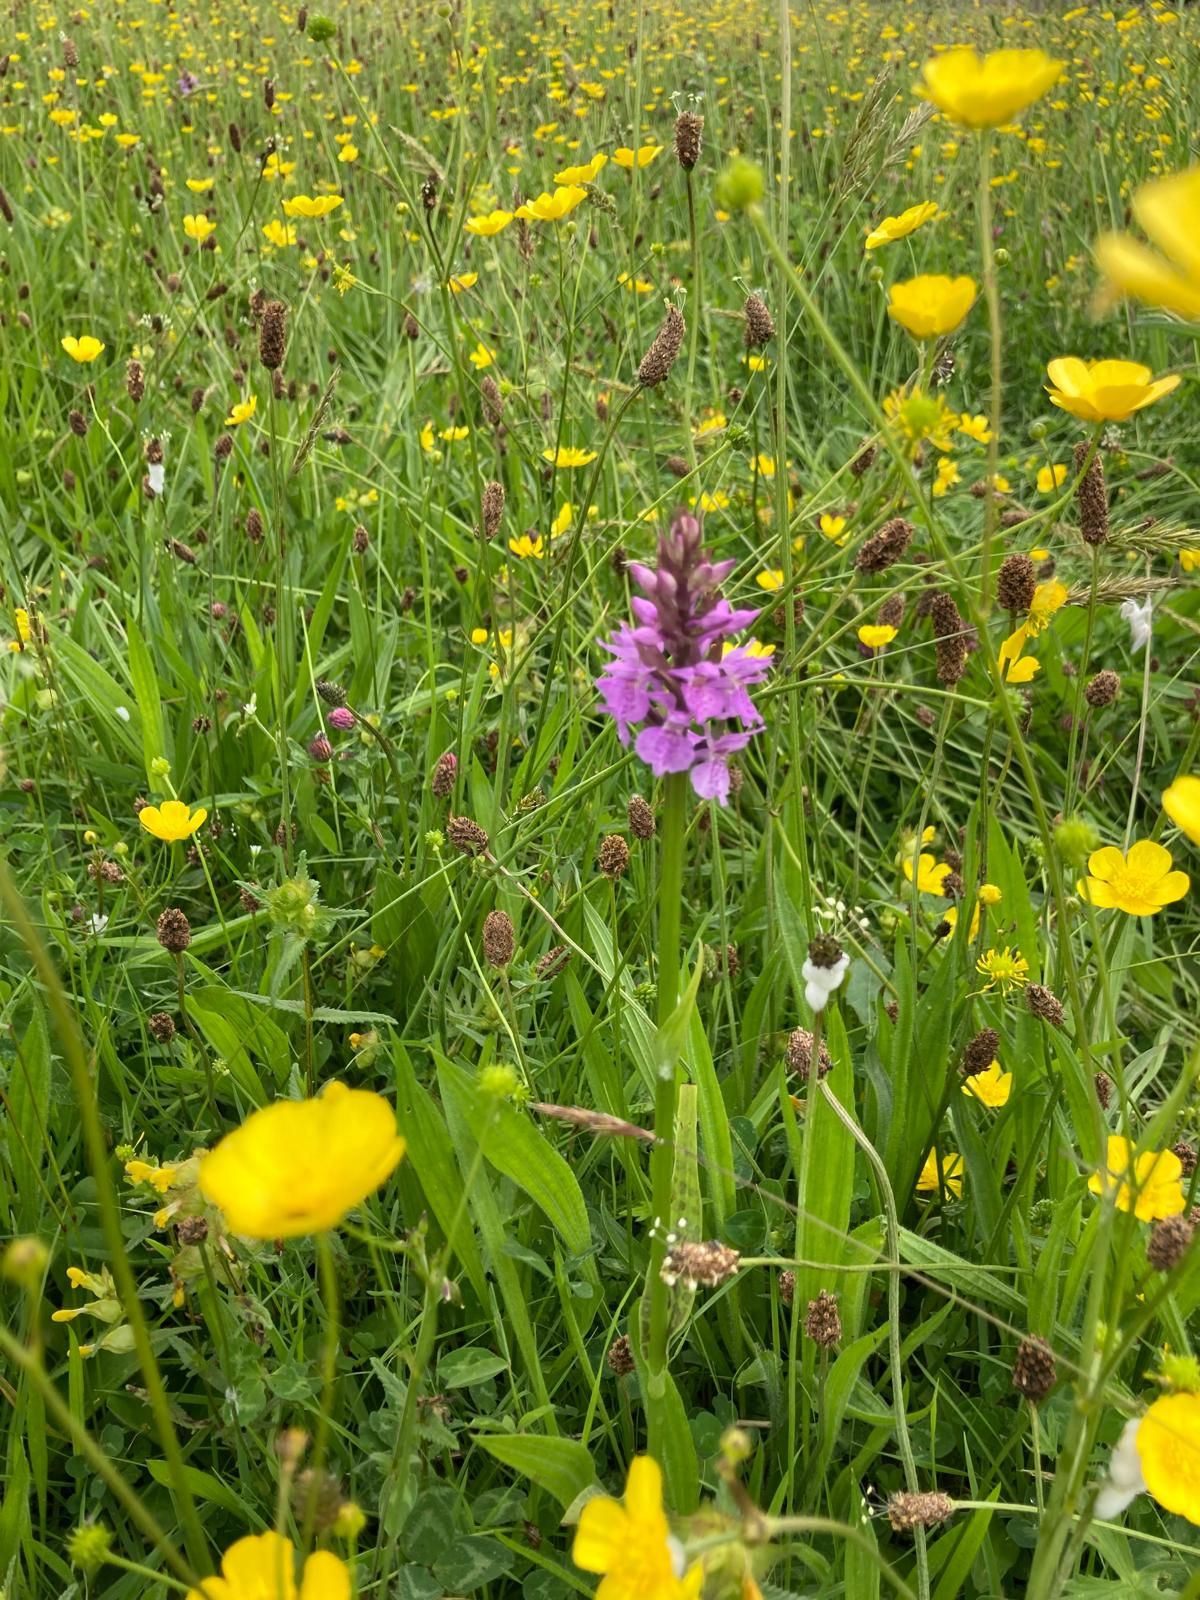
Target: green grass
(174, 651)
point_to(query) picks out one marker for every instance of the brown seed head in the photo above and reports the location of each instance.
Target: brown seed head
(951, 641)
(613, 856)
(492, 508)
(1035, 1371)
(787, 1286)
(907, 1512)
(1103, 689)
(173, 930)
(695, 1265)
(980, 1053)
(1187, 1156)
(552, 963)
(620, 1356)
(192, 1230)
(162, 1026)
(135, 380)
(445, 771)
(78, 424)
(1103, 1085)
(499, 938)
(1091, 496)
(492, 400)
(824, 950)
(689, 129)
(884, 548)
(641, 817)
(891, 612)
(759, 324)
(272, 335)
(466, 835)
(660, 358)
(1044, 1004)
(823, 1325)
(1169, 1242)
(1015, 583)
(799, 1055)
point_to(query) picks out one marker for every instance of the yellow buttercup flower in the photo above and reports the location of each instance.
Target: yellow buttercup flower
(84, 349)
(460, 282)
(893, 228)
(624, 157)
(199, 185)
(1104, 391)
(262, 1566)
(1047, 599)
(488, 225)
(481, 356)
(1189, 560)
(984, 91)
(1169, 211)
(1181, 802)
(833, 527)
(303, 205)
(951, 1174)
(918, 417)
(280, 234)
(528, 546)
(991, 1087)
(1051, 478)
(198, 227)
(931, 873)
(770, 580)
(242, 411)
(1138, 882)
(568, 456)
(298, 1166)
(587, 173)
(1015, 667)
(931, 306)
(874, 635)
(1149, 1185)
(1168, 1447)
(172, 820)
(631, 1544)
(552, 207)
(975, 427)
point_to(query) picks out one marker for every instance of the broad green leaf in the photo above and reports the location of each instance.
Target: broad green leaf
(562, 1467)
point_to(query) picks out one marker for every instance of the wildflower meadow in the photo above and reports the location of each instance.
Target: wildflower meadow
(599, 800)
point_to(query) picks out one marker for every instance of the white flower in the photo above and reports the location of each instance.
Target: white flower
(98, 924)
(1138, 618)
(156, 472)
(820, 982)
(1124, 1482)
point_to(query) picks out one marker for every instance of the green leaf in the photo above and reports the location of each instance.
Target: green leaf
(472, 1562)
(203, 1486)
(149, 698)
(518, 1149)
(459, 1369)
(430, 1154)
(562, 1467)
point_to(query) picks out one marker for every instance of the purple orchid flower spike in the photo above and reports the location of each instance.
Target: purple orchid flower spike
(674, 673)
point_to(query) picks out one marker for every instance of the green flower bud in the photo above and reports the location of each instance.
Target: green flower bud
(1039, 429)
(1075, 839)
(321, 28)
(24, 1261)
(740, 185)
(1002, 257)
(876, 274)
(88, 1547)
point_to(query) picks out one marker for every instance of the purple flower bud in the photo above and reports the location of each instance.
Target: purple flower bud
(320, 749)
(341, 718)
